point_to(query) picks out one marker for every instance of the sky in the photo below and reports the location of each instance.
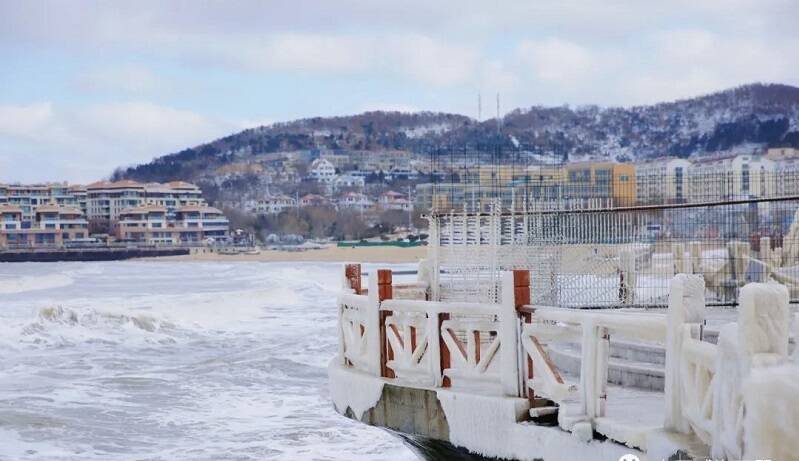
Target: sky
(89, 86)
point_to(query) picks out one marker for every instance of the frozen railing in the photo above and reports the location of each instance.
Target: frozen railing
(501, 349)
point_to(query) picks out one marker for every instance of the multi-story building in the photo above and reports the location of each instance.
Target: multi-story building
(52, 225)
(173, 195)
(30, 196)
(391, 200)
(662, 180)
(196, 223)
(731, 177)
(106, 200)
(355, 201)
(322, 171)
(144, 223)
(601, 180)
(152, 224)
(348, 181)
(272, 204)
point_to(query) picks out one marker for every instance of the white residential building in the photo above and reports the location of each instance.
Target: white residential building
(391, 200)
(355, 200)
(663, 180)
(321, 170)
(273, 204)
(348, 181)
(731, 177)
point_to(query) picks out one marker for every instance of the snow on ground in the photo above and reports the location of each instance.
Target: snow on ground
(174, 360)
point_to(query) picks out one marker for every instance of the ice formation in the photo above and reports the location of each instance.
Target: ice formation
(357, 391)
(771, 420)
(488, 426)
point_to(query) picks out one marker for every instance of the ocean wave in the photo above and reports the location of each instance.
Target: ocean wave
(58, 325)
(32, 283)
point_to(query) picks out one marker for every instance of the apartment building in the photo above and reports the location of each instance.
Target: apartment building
(106, 200)
(196, 223)
(731, 177)
(272, 204)
(152, 224)
(348, 181)
(52, 225)
(355, 201)
(601, 180)
(173, 195)
(662, 180)
(28, 197)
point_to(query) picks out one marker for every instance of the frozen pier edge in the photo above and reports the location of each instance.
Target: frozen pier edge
(473, 380)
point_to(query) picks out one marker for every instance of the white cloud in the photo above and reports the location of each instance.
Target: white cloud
(691, 62)
(128, 79)
(427, 60)
(557, 60)
(25, 121)
(87, 143)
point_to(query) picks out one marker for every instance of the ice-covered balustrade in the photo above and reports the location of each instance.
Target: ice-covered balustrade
(500, 350)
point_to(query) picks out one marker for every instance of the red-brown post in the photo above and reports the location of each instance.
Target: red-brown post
(385, 291)
(521, 295)
(353, 274)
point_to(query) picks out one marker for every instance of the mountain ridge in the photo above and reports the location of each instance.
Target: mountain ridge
(746, 117)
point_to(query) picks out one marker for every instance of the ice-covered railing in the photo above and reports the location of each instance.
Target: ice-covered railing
(500, 349)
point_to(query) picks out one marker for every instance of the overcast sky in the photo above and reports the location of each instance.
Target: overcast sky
(89, 86)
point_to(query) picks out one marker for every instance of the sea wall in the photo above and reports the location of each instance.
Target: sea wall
(88, 254)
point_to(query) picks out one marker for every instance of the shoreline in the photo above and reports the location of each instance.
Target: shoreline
(328, 254)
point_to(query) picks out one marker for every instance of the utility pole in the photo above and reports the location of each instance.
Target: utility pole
(410, 209)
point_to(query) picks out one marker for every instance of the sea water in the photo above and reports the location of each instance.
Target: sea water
(156, 360)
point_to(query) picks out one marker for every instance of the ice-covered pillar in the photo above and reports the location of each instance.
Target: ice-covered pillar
(678, 256)
(424, 275)
(796, 338)
(695, 250)
(686, 307)
(765, 250)
(509, 337)
(759, 341)
(372, 324)
(628, 277)
(595, 348)
(738, 254)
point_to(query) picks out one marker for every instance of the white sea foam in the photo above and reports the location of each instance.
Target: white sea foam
(32, 283)
(162, 360)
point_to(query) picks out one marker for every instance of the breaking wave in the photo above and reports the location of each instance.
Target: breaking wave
(58, 325)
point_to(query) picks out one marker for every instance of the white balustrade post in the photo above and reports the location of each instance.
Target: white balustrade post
(686, 305)
(372, 322)
(509, 338)
(434, 348)
(588, 368)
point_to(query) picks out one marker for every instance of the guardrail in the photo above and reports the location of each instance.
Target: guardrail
(501, 349)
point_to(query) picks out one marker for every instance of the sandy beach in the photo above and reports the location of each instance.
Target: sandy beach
(328, 254)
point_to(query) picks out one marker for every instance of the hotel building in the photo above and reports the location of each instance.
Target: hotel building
(52, 226)
(151, 224)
